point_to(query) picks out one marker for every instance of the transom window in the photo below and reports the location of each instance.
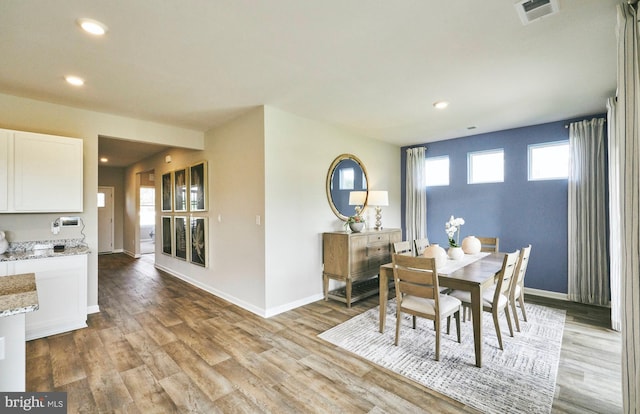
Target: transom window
(549, 161)
(347, 178)
(437, 171)
(486, 166)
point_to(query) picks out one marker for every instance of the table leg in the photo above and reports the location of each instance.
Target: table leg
(476, 315)
(384, 295)
(325, 286)
(348, 289)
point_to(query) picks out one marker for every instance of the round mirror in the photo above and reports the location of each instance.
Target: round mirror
(347, 186)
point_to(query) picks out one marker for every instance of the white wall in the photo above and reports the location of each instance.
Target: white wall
(273, 165)
(298, 153)
(37, 116)
(235, 156)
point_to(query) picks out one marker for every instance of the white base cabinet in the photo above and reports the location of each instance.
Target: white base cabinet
(62, 294)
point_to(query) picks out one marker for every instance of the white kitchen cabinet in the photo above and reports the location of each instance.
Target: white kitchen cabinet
(62, 294)
(43, 173)
(4, 169)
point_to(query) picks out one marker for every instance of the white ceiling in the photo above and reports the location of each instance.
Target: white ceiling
(374, 67)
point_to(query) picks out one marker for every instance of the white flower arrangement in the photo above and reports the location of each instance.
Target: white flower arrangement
(452, 227)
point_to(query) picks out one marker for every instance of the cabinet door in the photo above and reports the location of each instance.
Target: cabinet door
(47, 173)
(4, 169)
(62, 294)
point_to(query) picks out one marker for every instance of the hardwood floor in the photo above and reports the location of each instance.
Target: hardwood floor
(160, 345)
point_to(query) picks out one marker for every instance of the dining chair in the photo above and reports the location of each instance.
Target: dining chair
(517, 287)
(420, 245)
(496, 297)
(417, 293)
(489, 244)
(403, 247)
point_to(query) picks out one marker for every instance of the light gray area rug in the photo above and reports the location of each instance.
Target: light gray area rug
(520, 379)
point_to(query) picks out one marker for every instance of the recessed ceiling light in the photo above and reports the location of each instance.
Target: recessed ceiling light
(440, 104)
(104, 159)
(74, 80)
(93, 27)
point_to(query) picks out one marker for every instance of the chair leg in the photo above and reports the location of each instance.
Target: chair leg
(449, 325)
(521, 300)
(506, 313)
(398, 318)
(515, 315)
(414, 321)
(437, 327)
(496, 323)
(457, 316)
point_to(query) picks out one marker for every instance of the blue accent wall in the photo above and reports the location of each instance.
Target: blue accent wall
(518, 211)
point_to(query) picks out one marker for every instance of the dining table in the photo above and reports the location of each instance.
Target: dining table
(472, 273)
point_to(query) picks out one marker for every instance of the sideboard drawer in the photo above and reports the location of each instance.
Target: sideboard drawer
(378, 238)
(379, 249)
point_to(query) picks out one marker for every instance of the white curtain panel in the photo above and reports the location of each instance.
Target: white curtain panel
(416, 194)
(588, 255)
(628, 145)
(614, 214)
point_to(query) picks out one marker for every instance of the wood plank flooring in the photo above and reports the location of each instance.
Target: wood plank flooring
(160, 345)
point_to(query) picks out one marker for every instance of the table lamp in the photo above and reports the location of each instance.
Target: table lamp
(378, 199)
(357, 198)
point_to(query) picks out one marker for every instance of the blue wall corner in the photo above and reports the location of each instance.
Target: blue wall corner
(518, 211)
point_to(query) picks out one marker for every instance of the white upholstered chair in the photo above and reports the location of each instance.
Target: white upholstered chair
(403, 247)
(517, 287)
(420, 245)
(417, 293)
(496, 298)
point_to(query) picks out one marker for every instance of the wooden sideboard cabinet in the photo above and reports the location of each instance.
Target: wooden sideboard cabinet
(355, 257)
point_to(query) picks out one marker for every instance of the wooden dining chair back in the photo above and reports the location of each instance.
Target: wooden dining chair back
(489, 244)
(420, 245)
(403, 247)
(496, 298)
(418, 294)
(516, 293)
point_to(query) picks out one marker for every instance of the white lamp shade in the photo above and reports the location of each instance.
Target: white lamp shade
(357, 198)
(378, 198)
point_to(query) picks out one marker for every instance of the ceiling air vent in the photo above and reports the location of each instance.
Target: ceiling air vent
(532, 10)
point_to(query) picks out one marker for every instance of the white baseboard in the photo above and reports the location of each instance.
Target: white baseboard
(264, 313)
(546, 294)
(93, 309)
(42, 330)
(131, 254)
(292, 305)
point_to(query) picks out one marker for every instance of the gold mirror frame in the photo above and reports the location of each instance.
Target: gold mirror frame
(332, 169)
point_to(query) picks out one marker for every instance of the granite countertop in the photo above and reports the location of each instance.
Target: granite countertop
(41, 253)
(18, 294)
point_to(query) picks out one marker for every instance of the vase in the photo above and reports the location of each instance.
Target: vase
(436, 252)
(455, 253)
(356, 227)
(4, 244)
(471, 245)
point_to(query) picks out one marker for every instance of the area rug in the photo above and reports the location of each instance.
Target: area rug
(520, 379)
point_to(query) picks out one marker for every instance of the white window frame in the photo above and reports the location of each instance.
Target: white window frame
(530, 166)
(427, 170)
(347, 182)
(470, 165)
